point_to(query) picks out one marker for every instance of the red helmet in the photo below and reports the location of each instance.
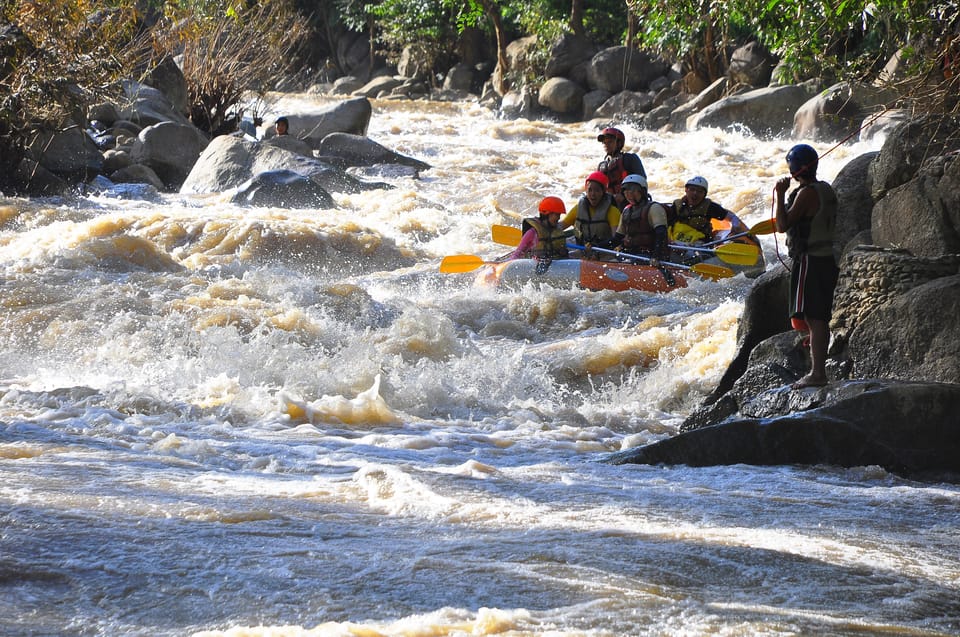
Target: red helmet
(552, 205)
(598, 177)
(612, 132)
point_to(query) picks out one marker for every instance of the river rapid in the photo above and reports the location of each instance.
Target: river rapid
(218, 420)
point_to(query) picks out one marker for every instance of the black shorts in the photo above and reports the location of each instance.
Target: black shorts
(812, 282)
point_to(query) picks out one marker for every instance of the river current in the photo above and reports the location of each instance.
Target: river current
(218, 420)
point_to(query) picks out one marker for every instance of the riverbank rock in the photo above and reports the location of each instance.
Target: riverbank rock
(229, 161)
(347, 116)
(909, 428)
(765, 112)
(923, 214)
(282, 189)
(345, 150)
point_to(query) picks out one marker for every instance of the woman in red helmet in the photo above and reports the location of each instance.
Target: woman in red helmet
(617, 164)
(596, 215)
(543, 236)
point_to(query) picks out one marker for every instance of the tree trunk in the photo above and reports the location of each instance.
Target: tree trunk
(576, 17)
(631, 25)
(492, 9)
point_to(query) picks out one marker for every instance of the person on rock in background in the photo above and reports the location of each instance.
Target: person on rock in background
(543, 236)
(692, 214)
(809, 217)
(596, 215)
(617, 164)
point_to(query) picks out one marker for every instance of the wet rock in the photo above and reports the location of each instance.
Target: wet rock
(908, 428)
(283, 189)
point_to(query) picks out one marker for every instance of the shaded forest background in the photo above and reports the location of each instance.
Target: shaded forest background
(58, 58)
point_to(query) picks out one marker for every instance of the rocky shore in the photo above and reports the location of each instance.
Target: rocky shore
(894, 361)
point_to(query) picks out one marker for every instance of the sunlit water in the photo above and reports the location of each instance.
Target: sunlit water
(241, 421)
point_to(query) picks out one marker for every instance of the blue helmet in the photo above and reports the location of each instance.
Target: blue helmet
(802, 161)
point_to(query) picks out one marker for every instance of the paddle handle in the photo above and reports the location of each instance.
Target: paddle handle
(627, 256)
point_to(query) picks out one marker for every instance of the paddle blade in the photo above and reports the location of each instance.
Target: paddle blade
(506, 235)
(767, 226)
(460, 263)
(738, 253)
(711, 271)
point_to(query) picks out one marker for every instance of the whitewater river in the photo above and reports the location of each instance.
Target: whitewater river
(235, 421)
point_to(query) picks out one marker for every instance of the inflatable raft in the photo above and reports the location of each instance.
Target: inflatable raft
(588, 274)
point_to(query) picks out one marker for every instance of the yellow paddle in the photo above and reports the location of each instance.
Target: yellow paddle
(767, 226)
(506, 235)
(735, 253)
(462, 263)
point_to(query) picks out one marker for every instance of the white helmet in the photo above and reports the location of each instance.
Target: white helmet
(697, 181)
(639, 180)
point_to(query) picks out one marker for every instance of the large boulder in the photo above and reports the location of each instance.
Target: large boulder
(562, 96)
(145, 106)
(345, 150)
(282, 189)
(766, 112)
(348, 116)
(567, 53)
(704, 97)
(70, 153)
(230, 161)
(751, 64)
(167, 77)
(170, 150)
(836, 112)
(621, 68)
(906, 428)
(764, 315)
(625, 105)
(907, 146)
(915, 337)
(923, 214)
(852, 185)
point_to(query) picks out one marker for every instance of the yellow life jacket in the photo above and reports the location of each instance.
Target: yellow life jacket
(551, 242)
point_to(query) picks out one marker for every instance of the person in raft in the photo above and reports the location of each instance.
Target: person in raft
(643, 223)
(543, 236)
(596, 215)
(809, 217)
(693, 214)
(616, 165)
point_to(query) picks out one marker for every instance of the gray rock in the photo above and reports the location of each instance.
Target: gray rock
(751, 64)
(230, 161)
(562, 96)
(852, 185)
(282, 189)
(347, 116)
(355, 150)
(852, 424)
(170, 150)
(138, 174)
(70, 154)
(915, 337)
(621, 68)
(923, 214)
(766, 112)
(907, 146)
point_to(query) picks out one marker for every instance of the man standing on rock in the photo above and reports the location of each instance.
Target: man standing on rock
(618, 164)
(809, 218)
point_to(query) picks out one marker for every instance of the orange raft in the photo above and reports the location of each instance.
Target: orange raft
(588, 274)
